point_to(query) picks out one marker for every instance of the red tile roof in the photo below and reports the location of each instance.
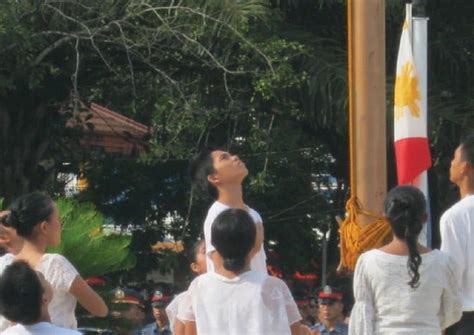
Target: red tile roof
(113, 132)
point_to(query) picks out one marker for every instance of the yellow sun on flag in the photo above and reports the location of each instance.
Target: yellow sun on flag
(406, 92)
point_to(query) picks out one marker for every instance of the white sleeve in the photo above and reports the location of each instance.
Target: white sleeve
(292, 310)
(60, 272)
(258, 218)
(211, 216)
(453, 242)
(363, 313)
(185, 305)
(173, 308)
(451, 300)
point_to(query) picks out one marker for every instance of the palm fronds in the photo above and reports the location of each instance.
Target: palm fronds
(85, 243)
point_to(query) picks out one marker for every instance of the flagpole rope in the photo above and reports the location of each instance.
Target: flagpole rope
(352, 158)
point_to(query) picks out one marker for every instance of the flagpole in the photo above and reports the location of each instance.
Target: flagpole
(369, 105)
(420, 53)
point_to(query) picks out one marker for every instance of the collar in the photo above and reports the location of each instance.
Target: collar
(338, 328)
(162, 330)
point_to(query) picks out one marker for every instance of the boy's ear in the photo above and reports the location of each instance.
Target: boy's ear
(213, 179)
(467, 167)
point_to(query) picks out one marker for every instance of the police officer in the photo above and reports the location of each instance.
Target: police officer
(130, 307)
(330, 313)
(161, 326)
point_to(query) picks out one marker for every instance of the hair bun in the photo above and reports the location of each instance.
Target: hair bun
(234, 264)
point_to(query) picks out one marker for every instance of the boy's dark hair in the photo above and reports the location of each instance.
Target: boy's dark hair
(233, 235)
(467, 149)
(21, 294)
(27, 211)
(193, 251)
(200, 167)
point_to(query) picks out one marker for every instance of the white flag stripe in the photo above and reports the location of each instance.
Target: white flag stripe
(410, 113)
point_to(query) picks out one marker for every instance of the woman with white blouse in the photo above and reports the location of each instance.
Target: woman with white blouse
(35, 218)
(235, 300)
(403, 287)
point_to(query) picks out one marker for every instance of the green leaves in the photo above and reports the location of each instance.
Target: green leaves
(87, 243)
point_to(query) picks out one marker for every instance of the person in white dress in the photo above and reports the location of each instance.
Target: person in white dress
(236, 300)
(35, 218)
(24, 298)
(404, 288)
(220, 174)
(197, 263)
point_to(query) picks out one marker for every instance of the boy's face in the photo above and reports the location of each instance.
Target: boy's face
(458, 167)
(47, 289)
(159, 313)
(227, 168)
(330, 311)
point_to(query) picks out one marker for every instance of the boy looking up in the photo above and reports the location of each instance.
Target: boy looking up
(220, 174)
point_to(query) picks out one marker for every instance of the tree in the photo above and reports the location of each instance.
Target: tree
(55, 54)
(265, 79)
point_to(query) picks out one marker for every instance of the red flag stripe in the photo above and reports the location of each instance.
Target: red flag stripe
(413, 157)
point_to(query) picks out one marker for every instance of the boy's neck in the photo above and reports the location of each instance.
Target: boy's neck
(219, 268)
(45, 318)
(231, 195)
(466, 187)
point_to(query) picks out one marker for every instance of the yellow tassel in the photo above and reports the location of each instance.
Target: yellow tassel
(354, 239)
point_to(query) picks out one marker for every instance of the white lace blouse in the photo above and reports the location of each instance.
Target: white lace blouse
(386, 304)
(60, 273)
(252, 304)
(173, 308)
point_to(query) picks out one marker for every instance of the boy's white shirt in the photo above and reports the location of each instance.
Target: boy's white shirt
(258, 262)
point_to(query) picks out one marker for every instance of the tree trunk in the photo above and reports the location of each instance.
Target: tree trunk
(25, 133)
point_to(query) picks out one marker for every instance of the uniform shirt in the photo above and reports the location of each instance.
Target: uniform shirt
(339, 329)
(258, 262)
(152, 329)
(457, 239)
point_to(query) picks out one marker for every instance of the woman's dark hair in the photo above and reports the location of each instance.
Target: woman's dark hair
(405, 209)
(200, 167)
(233, 235)
(194, 250)
(21, 294)
(27, 211)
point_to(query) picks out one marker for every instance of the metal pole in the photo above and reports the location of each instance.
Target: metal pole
(325, 258)
(420, 54)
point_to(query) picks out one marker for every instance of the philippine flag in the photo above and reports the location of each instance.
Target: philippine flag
(410, 116)
(410, 121)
